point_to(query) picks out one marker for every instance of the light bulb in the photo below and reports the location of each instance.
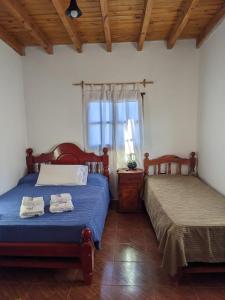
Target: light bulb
(74, 13)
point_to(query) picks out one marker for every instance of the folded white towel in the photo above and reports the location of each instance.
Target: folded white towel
(61, 207)
(61, 198)
(31, 207)
(61, 203)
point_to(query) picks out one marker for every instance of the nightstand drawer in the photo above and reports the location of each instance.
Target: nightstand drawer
(130, 184)
(134, 179)
(128, 199)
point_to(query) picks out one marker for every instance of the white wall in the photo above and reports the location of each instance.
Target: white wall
(54, 106)
(211, 133)
(13, 132)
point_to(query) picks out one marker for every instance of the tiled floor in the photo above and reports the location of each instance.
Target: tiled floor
(127, 267)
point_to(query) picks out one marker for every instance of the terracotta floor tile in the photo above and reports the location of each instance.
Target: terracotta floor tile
(103, 273)
(109, 233)
(11, 291)
(150, 235)
(131, 292)
(140, 221)
(111, 220)
(106, 253)
(133, 273)
(154, 253)
(83, 292)
(107, 292)
(132, 235)
(108, 240)
(131, 252)
(110, 228)
(110, 225)
(174, 293)
(45, 291)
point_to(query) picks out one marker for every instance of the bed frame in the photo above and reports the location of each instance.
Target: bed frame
(165, 163)
(58, 255)
(168, 161)
(70, 154)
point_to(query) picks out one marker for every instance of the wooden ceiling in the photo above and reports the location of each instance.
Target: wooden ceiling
(43, 22)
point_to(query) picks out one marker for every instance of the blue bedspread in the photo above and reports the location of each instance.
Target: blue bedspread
(90, 210)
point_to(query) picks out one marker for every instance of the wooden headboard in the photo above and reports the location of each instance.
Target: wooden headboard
(69, 154)
(168, 161)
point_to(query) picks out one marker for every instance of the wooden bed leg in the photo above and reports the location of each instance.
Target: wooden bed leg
(87, 256)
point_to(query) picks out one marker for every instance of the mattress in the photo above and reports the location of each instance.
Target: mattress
(90, 210)
(188, 217)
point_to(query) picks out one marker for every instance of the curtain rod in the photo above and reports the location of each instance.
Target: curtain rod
(144, 82)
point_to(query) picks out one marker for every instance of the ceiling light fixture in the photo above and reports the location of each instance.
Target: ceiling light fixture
(73, 10)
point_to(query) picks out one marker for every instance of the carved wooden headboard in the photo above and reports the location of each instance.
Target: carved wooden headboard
(167, 161)
(70, 154)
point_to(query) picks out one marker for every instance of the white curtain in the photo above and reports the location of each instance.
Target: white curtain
(113, 118)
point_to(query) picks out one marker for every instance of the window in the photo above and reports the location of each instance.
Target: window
(100, 124)
(101, 127)
(114, 120)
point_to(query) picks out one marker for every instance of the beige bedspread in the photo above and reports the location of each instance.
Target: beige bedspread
(189, 220)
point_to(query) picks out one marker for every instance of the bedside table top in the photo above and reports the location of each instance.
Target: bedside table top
(128, 171)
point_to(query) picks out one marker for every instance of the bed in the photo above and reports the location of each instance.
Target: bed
(187, 215)
(65, 240)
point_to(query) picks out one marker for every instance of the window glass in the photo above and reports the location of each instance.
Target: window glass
(102, 127)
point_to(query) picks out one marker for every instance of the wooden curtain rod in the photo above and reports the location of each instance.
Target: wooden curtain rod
(144, 82)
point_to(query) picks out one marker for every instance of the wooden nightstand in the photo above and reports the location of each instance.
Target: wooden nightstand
(130, 185)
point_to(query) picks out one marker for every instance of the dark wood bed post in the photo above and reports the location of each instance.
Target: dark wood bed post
(105, 162)
(29, 160)
(146, 163)
(193, 163)
(87, 256)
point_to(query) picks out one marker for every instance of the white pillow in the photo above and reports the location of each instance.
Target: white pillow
(62, 175)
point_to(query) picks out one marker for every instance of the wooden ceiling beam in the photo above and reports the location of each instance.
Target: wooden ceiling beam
(67, 24)
(145, 24)
(11, 41)
(106, 24)
(18, 11)
(181, 23)
(213, 23)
